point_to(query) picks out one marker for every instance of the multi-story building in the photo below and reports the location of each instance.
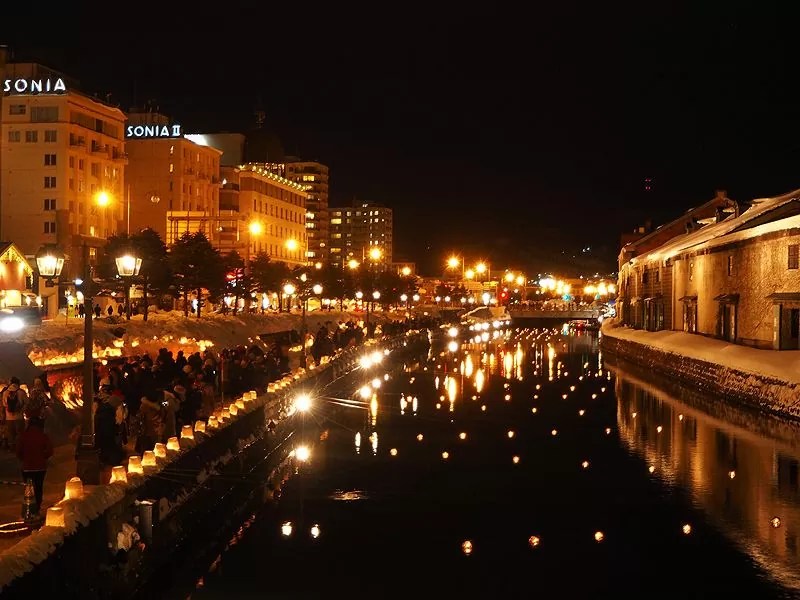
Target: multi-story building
(313, 176)
(361, 233)
(62, 162)
(173, 182)
(734, 275)
(262, 212)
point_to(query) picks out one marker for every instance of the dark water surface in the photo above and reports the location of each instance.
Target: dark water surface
(686, 502)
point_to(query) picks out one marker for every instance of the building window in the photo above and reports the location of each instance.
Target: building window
(80, 164)
(645, 276)
(794, 256)
(71, 161)
(730, 265)
(657, 273)
(72, 184)
(17, 109)
(14, 136)
(94, 169)
(31, 136)
(691, 271)
(49, 182)
(49, 203)
(49, 160)
(50, 135)
(44, 114)
(49, 226)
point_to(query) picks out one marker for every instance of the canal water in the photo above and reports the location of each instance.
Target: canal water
(519, 467)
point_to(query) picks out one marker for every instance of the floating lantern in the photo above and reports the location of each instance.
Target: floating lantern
(651, 468)
(608, 430)
(55, 517)
(187, 432)
(687, 529)
(585, 464)
(286, 529)
(135, 465)
(466, 547)
(581, 412)
(775, 522)
(510, 434)
(599, 536)
(731, 474)
(534, 541)
(173, 444)
(533, 410)
(634, 415)
(564, 396)
(515, 460)
(572, 388)
(118, 475)
(483, 408)
(602, 389)
(420, 437)
(445, 455)
(315, 531)
(149, 459)
(160, 450)
(74, 489)
(393, 451)
(507, 397)
(554, 432)
(659, 429)
(462, 435)
(200, 426)
(594, 396)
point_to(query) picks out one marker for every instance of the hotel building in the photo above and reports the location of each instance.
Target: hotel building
(173, 182)
(361, 233)
(62, 161)
(260, 211)
(314, 177)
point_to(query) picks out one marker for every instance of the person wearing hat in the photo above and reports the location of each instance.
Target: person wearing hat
(14, 399)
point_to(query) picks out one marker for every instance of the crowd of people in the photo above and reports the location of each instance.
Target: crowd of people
(142, 400)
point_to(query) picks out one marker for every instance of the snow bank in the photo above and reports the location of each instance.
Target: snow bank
(783, 365)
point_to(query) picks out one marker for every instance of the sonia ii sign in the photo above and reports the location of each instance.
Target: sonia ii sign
(152, 131)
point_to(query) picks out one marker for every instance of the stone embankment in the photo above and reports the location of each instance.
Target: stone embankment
(730, 375)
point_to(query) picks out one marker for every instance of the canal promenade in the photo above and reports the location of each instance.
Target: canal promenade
(766, 380)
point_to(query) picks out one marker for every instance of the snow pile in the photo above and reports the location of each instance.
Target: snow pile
(28, 553)
(783, 365)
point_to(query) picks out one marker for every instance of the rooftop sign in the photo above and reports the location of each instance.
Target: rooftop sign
(34, 86)
(152, 131)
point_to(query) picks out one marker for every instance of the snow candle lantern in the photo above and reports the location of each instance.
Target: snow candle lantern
(135, 465)
(233, 410)
(173, 444)
(74, 489)
(149, 459)
(119, 475)
(187, 432)
(55, 517)
(160, 450)
(226, 414)
(240, 404)
(200, 426)
(212, 422)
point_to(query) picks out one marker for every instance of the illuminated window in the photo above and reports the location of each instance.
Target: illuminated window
(794, 256)
(171, 150)
(336, 221)
(91, 230)
(171, 168)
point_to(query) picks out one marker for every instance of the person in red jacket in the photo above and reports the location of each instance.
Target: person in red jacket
(34, 448)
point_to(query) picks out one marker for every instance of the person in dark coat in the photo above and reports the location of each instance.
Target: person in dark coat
(108, 438)
(34, 449)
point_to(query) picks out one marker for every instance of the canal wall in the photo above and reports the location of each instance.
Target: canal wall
(738, 386)
(116, 539)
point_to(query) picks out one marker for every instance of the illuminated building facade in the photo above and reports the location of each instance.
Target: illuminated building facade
(173, 182)
(361, 233)
(62, 161)
(313, 176)
(262, 212)
(734, 276)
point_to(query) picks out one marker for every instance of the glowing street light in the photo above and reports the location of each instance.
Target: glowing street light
(289, 289)
(375, 253)
(291, 244)
(302, 453)
(353, 264)
(405, 271)
(255, 228)
(302, 403)
(102, 198)
(469, 274)
(480, 268)
(453, 262)
(317, 289)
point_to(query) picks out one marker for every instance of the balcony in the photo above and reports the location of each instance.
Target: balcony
(77, 141)
(119, 156)
(99, 148)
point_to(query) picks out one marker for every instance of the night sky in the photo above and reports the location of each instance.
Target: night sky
(521, 135)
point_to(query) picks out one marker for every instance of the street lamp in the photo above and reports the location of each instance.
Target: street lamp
(128, 266)
(405, 271)
(352, 263)
(289, 290)
(375, 295)
(49, 261)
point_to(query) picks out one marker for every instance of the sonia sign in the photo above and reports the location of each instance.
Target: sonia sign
(152, 131)
(34, 86)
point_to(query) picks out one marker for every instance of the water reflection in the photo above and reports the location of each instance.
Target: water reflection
(747, 482)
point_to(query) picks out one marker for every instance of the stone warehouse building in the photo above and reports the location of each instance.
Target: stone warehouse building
(723, 272)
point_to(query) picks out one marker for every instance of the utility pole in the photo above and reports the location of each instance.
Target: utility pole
(88, 466)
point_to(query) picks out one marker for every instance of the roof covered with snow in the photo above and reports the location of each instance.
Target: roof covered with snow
(731, 229)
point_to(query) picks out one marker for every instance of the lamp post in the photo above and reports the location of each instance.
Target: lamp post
(375, 296)
(128, 266)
